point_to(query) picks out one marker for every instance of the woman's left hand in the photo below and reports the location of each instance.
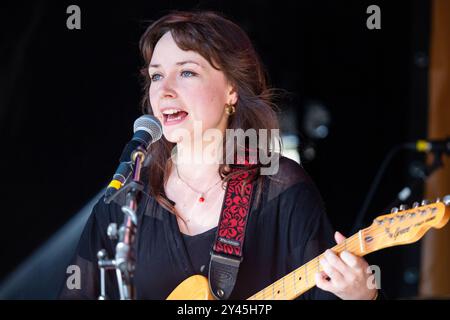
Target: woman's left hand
(345, 275)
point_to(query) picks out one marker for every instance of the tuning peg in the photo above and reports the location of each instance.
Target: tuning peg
(425, 202)
(415, 204)
(403, 207)
(437, 200)
(394, 210)
(446, 200)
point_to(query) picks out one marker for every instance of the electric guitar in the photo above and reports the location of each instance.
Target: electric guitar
(401, 227)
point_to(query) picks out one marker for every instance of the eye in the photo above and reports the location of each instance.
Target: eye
(155, 77)
(188, 74)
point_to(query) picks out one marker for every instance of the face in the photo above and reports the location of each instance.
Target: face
(186, 89)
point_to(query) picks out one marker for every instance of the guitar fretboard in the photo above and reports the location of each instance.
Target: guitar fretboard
(302, 279)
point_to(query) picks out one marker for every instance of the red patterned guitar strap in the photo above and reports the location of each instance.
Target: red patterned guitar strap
(226, 254)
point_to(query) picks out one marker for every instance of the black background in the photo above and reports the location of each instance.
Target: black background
(68, 99)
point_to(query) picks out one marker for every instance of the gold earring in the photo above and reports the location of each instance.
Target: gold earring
(230, 109)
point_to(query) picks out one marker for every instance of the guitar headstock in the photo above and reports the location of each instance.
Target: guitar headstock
(403, 225)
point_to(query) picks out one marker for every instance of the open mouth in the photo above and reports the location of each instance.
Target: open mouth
(172, 117)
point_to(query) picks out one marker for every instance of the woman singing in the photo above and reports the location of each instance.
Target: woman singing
(203, 75)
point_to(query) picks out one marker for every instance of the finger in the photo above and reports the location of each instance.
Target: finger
(322, 281)
(339, 237)
(335, 276)
(324, 275)
(336, 262)
(354, 262)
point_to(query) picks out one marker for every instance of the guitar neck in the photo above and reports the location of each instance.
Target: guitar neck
(398, 228)
(302, 279)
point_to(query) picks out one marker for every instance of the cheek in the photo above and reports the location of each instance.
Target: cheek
(153, 103)
(208, 105)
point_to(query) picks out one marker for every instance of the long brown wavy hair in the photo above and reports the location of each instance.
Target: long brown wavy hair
(228, 49)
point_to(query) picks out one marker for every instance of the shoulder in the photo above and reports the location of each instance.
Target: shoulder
(292, 189)
(105, 213)
(288, 174)
(294, 204)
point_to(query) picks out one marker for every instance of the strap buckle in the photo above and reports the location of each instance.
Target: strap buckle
(223, 271)
(228, 260)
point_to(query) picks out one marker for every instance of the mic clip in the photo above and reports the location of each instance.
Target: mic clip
(133, 185)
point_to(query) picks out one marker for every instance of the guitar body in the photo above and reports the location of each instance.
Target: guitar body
(193, 288)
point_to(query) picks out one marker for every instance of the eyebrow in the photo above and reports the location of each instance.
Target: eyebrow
(181, 63)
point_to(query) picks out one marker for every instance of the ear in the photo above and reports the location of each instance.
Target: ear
(232, 96)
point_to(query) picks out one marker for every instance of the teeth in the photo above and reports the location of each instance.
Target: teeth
(171, 111)
(175, 119)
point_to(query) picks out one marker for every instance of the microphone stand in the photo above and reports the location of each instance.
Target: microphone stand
(124, 261)
(424, 172)
(406, 192)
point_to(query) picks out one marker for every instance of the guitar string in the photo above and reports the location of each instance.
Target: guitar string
(315, 266)
(311, 265)
(354, 245)
(278, 284)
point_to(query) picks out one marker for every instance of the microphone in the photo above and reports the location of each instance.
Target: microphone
(442, 145)
(147, 129)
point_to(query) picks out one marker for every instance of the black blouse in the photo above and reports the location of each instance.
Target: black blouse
(285, 230)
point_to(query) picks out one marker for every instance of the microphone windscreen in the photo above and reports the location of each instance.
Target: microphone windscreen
(150, 124)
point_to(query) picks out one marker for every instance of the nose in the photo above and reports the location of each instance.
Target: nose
(168, 88)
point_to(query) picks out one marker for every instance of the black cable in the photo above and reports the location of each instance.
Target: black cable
(361, 214)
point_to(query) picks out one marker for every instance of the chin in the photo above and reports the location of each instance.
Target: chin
(172, 139)
(176, 135)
